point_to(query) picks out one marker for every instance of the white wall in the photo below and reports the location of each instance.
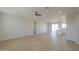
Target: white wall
(1, 30)
(41, 25)
(15, 26)
(72, 27)
(18, 26)
(77, 27)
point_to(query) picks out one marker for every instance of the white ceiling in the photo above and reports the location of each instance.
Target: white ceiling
(28, 11)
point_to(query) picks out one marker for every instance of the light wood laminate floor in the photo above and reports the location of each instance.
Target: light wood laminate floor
(39, 42)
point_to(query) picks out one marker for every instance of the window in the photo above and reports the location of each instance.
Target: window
(63, 25)
(54, 27)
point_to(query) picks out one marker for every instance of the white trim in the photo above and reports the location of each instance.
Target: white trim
(8, 38)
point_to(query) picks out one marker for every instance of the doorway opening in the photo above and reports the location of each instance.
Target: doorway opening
(54, 27)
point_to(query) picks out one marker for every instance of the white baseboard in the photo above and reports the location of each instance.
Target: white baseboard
(77, 42)
(8, 38)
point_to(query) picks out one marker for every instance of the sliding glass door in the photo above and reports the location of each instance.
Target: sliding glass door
(54, 27)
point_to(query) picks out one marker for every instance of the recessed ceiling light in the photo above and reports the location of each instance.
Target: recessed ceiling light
(13, 12)
(59, 12)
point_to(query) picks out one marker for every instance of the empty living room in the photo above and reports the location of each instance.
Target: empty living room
(39, 28)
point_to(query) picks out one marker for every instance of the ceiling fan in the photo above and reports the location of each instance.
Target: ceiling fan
(37, 14)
